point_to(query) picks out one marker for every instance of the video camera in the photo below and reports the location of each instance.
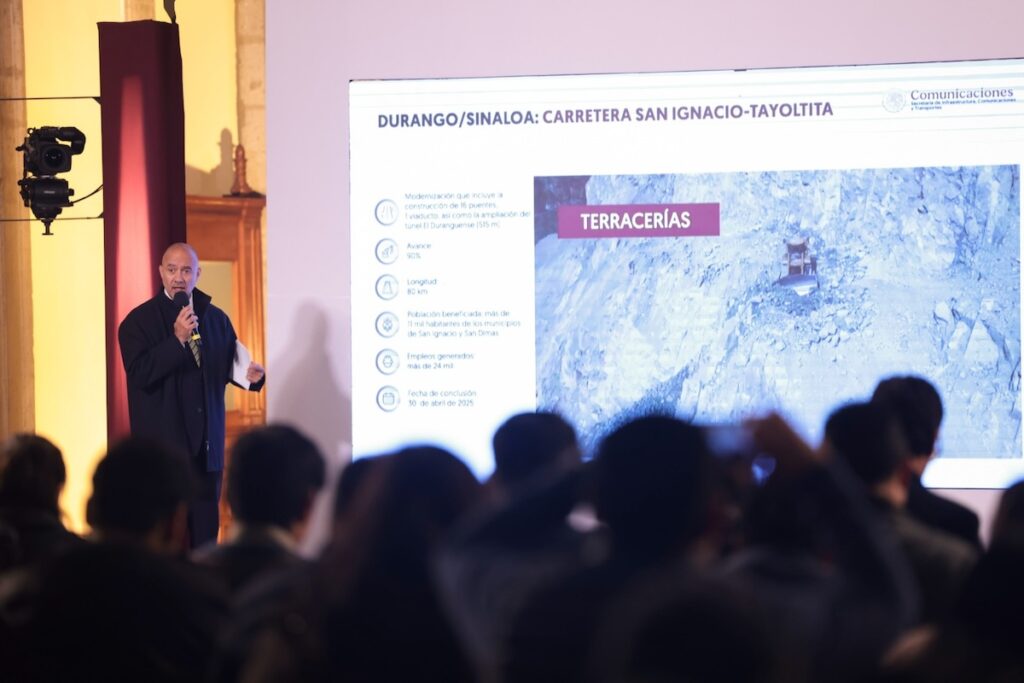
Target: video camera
(44, 156)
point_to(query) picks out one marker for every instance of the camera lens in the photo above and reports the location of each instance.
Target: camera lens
(55, 158)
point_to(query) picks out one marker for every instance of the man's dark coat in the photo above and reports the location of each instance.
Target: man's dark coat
(169, 397)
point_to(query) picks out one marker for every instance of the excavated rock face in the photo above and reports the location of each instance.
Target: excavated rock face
(918, 271)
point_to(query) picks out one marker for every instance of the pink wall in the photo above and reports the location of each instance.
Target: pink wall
(314, 47)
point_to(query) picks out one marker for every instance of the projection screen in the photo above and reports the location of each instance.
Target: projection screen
(713, 245)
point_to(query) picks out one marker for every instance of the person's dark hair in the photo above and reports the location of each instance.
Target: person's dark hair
(917, 405)
(32, 473)
(374, 585)
(405, 504)
(867, 436)
(652, 481)
(271, 474)
(528, 443)
(1008, 525)
(139, 483)
(980, 639)
(425, 491)
(351, 482)
(990, 603)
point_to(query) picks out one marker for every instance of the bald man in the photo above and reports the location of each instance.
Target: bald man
(176, 382)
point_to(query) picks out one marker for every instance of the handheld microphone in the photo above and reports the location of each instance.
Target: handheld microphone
(181, 298)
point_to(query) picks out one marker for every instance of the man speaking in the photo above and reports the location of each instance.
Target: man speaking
(178, 351)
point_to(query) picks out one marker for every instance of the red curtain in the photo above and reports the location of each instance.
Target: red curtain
(143, 126)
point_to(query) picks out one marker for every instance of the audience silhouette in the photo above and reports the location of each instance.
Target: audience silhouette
(918, 408)
(770, 561)
(127, 606)
(869, 439)
(651, 484)
(31, 478)
(274, 474)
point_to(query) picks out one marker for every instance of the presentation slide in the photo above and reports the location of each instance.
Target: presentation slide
(713, 245)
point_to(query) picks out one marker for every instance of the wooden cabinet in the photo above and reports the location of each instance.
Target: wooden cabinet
(226, 233)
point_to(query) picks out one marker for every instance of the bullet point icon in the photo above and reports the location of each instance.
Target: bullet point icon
(386, 251)
(387, 361)
(387, 324)
(387, 287)
(387, 398)
(386, 212)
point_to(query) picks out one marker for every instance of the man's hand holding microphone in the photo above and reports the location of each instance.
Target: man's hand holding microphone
(186, 325)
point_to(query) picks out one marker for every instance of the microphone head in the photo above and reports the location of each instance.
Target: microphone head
(181, 298)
